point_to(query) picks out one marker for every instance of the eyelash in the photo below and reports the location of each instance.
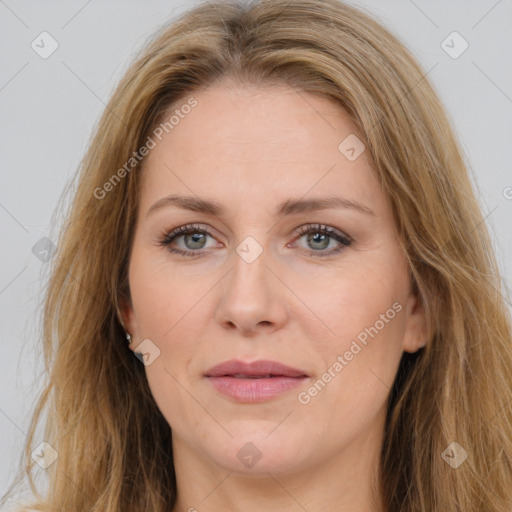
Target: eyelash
(167, 238)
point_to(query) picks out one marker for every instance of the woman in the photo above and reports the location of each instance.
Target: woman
(275, 213)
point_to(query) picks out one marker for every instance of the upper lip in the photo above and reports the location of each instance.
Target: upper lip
(256, 368)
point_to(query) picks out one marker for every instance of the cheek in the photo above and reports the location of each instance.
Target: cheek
(162, 296)
(360, 359)
(168, 312)
(364, 310)
(363, 299)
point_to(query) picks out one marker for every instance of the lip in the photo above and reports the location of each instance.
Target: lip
(254, 382)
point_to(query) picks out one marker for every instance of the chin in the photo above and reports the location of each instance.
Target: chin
(259, 453)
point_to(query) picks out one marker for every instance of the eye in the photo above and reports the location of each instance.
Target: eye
(319, 237)
(194, 239)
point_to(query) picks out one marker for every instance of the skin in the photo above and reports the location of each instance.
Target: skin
(249, 149)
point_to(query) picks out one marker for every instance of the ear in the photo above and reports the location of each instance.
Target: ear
(128, 319)
(416, 332)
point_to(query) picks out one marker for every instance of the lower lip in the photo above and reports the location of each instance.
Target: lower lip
(255, 390)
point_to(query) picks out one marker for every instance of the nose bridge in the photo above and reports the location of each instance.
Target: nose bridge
(251, 297)
(249, 267)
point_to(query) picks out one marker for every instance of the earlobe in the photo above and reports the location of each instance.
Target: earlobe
(416, 331)
(126, 318)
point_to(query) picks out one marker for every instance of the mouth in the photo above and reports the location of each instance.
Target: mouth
(254, 382)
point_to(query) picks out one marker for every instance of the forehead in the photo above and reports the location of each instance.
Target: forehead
(259, 143)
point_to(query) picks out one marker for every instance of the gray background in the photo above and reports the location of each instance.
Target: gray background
(49, 108)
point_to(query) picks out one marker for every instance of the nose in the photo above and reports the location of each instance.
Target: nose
(253, 297)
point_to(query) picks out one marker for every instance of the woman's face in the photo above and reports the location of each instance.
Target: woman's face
(332, 301)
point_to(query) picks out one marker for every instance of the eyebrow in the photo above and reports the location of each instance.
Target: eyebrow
(288, 207)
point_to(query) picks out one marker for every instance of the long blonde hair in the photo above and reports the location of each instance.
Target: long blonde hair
(114, 446)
